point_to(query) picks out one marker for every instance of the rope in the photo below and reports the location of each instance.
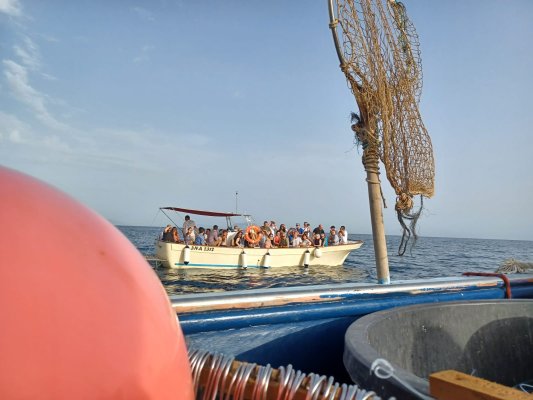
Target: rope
(405, 215)
(219, 376)
(524, 387)
(383, 369)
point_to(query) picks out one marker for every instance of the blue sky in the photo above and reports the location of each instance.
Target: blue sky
(129, 106)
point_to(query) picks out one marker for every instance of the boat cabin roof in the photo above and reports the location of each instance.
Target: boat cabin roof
(206, 213)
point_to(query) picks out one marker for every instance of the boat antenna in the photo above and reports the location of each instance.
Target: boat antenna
(166, 215)
(378, 50)
(236, 201)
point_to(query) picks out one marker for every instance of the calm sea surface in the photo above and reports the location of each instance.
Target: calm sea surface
(432, 257)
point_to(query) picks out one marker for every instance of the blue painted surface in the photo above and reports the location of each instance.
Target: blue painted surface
(311, 346)
(233, 319)
(310, 336)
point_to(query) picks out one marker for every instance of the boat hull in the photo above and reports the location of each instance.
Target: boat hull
(174, 255)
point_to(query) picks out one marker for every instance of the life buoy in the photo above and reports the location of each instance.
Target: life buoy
(253, 234)
(127, 357)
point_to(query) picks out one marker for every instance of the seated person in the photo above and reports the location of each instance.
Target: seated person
(343, 235)
(266, 228)
(164, 232)
(324, 239)
(222, 239)
(268, 241)
(283, 239)
(189, 223)
(305, 241)
(333, 239)
(238, 240)
(212, 238)
(200, 238)
(317, 241)
(290, 235)
(175, 237)
(264, 237)
(189, 235)
(296, 239)
(276, 240)
(167, 234)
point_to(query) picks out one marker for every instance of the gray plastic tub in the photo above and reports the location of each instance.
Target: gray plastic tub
(491, 339)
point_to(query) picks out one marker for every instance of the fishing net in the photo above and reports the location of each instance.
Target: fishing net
(379, 52)
(512, 266)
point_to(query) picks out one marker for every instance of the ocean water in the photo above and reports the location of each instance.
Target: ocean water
(431, 257)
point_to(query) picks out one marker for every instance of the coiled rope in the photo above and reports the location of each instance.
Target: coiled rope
(219, 376)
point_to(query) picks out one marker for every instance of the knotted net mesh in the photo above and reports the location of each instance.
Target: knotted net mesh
(383, 67)
(379, 51)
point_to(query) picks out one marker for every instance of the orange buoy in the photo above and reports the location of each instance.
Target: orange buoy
(83, 315)
(253, 234)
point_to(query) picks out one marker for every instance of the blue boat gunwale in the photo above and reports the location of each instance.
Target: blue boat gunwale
(305, 326)
(285, 296)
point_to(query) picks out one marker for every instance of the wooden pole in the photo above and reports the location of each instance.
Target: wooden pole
(371, 163)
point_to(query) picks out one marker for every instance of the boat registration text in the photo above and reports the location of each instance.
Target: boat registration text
(202, 248)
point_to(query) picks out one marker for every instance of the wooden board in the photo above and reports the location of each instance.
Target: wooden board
(453, 385)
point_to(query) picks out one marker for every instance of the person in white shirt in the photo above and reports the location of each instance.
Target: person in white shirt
(189, 223)
(307, 229)
(296, 239)
(343, 235)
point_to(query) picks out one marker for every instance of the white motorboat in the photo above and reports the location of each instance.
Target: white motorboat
(181, 255)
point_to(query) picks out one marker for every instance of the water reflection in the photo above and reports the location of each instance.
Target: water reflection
(213, 280)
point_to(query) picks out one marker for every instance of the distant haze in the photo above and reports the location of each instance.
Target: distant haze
(130, 106)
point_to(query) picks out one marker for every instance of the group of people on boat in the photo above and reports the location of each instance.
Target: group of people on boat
(267, 236)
